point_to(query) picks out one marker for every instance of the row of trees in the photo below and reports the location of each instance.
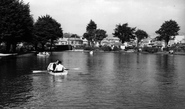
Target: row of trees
(94, 35)
(17, 25)
(166, 32)
(126, 33)
(123, 32)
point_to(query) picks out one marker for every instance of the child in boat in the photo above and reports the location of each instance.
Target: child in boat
(59, 67)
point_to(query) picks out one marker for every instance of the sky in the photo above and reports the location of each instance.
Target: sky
(75, 15)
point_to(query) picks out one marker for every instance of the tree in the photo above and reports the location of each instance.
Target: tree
(90, 32)
(140, 34)
(100, 35)
(124, 33)
(16, 23)
(67, 35)
(167, 31)
(91, 26)
(75, 36)
(46, 30)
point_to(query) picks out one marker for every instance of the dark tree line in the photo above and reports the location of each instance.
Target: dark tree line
(16, 23)
(94, 35)
(124, 32)
(46, 30)
(17, 26)
(167, 31)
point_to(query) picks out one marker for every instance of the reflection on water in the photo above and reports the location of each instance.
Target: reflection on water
(102, 80)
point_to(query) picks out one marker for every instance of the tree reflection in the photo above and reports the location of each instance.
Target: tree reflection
(165, 68)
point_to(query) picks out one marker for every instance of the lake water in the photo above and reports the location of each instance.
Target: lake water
(99, 81)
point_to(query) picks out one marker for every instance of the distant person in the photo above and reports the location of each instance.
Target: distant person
(59, 67)
(52, 66)
(46, 53)
(91, 52)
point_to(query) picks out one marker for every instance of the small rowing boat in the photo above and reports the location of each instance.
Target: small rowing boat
(65, 72)
(2, 54)
(43, 54)
(91, 52)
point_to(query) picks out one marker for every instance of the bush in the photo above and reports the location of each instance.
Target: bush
(150, 49)
(89, 48)
(179, 48)
(115, 48)
(80, 47)
(106, 48)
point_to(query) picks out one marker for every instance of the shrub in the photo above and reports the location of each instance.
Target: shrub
(106, 48)
(150, 49)
(115, 48)
(89, 48)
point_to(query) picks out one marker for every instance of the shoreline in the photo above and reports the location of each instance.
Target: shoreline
(7, 54)
(163, 53)
(13, 54)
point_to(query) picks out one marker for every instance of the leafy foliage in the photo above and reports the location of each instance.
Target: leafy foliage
(46, 29)
(124, 33)
(141, 34)
(100, 35)
(75, 36)
(16, 23)
(93, 34)
(91, 26)
(168, 30)
(90, 32)
(67, 35)
(150, 49)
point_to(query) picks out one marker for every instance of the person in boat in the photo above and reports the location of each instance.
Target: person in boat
(91, 52)
(52, 66)
(44, 53)
(59, 67)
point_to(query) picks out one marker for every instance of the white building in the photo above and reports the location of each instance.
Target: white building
(183, 41)
(75, 41)
(146, 42)
(179, 38)
(110, 41)
(70, 41)
(62, 41)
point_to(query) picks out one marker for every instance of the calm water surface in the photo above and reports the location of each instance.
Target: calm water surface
(101, 80)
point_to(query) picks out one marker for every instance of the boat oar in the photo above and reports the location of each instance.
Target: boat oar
(39, 71)
(45, 71)
(72, 69)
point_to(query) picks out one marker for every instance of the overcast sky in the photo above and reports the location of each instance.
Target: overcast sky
(74, 15)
